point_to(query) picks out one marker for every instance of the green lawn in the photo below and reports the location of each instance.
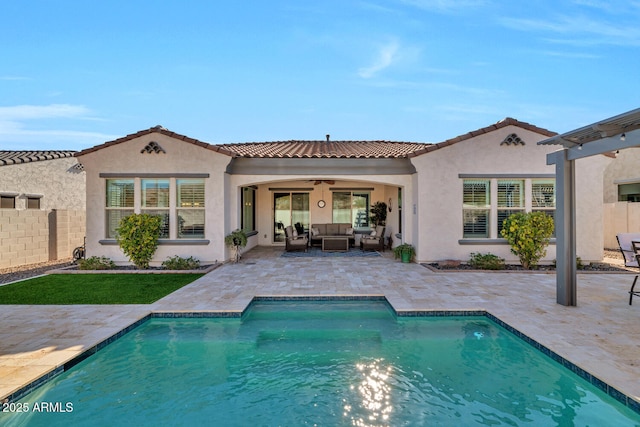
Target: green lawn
(63, 289)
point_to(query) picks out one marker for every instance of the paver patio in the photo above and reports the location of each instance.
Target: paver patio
(600, 335)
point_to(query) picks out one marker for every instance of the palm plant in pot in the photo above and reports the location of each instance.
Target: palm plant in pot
(237, 240)
(405, 252)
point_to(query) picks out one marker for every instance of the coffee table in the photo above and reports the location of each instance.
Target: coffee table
(335, 244)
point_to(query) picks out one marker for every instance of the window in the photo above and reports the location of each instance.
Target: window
(544, 197)
(351, 207)
(7, 202)
(510, 200)
(248, 198)
(33, 202)
(475, 208)
(155, 201)
(119, 203)
(629, 192)
(190, 208)
(486, 203)
(178, 202)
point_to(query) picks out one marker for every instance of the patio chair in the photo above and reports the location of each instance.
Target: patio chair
(636, 251)
(630, 247)
(294, 242)
(374, 241)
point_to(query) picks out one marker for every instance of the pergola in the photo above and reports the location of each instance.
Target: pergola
(605, 136)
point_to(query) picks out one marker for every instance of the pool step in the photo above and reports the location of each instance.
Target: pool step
(304, 340)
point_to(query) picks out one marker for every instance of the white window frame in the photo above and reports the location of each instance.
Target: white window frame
(528, 206)
(140, 206)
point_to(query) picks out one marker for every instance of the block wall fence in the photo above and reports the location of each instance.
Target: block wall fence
(34, 236)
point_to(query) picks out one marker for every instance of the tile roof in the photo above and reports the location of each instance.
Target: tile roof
(491, 128)
(17, 157)
(323, 149)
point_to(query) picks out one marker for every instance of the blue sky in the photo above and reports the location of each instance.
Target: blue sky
(74, 74)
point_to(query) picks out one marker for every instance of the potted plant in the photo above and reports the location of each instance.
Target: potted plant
(405, 252)
(237, 240)
(378, 214)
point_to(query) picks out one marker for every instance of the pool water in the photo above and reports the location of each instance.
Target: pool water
(322, 363)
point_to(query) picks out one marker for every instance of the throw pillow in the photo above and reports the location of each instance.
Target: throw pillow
(295, 233)
(349, 231)
(315, 231)
(373, 234)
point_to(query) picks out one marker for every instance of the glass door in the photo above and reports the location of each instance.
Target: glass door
(290, 209)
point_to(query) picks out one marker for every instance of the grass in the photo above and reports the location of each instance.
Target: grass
(66, 289)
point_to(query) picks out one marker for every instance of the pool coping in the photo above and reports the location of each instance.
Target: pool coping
(611, 391)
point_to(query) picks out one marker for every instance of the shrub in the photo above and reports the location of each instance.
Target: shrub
(96, 263)
(486, 261)
(179, 263)
(138, 237)
(529, 235)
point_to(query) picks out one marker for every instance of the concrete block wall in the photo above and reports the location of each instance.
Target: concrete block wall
(33, 236)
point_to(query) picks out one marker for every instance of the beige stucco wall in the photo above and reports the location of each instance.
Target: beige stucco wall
(620, 217)
(180, 157)
(439, 193)
(625, 168)
(61, 185)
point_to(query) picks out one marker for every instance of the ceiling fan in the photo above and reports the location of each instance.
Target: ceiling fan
(326, 181)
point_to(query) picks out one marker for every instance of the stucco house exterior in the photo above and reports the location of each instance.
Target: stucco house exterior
(42, 206)
(447, 199)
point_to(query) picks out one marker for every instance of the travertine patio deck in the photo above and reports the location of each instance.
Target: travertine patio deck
(601, 335)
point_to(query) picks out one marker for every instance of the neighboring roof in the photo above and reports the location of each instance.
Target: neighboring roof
(323, 149)
(18, 157)
(501, 124)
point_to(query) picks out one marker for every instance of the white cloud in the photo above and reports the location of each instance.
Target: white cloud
(580, 30)
(16, 134)
(30, 112)
(385, 57)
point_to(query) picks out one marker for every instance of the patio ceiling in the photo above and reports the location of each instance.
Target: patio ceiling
(606, 136)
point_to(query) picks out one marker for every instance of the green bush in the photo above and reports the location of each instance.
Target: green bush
(137, 235)
(179, 263)
(96, 263)
(529, 235)
(486, 261)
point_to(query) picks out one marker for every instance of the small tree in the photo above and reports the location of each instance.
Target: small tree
(378, 213)
(137, 235)
(529, 235)
(237, 240)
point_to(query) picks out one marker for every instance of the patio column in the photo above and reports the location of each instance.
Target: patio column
(566, 275)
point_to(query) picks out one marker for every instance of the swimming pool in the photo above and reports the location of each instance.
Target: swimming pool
(321, 363)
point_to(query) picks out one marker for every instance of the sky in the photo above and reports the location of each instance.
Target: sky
(75, 73)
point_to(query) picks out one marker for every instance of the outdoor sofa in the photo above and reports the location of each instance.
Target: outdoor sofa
(318, 231)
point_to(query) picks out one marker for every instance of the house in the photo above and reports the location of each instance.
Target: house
(447, 199)
(42, 206)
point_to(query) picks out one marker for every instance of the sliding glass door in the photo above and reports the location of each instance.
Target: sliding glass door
(289, 209)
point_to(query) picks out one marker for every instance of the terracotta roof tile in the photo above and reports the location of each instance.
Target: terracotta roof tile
(501, 124)
(17, 157)
(323, 149)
